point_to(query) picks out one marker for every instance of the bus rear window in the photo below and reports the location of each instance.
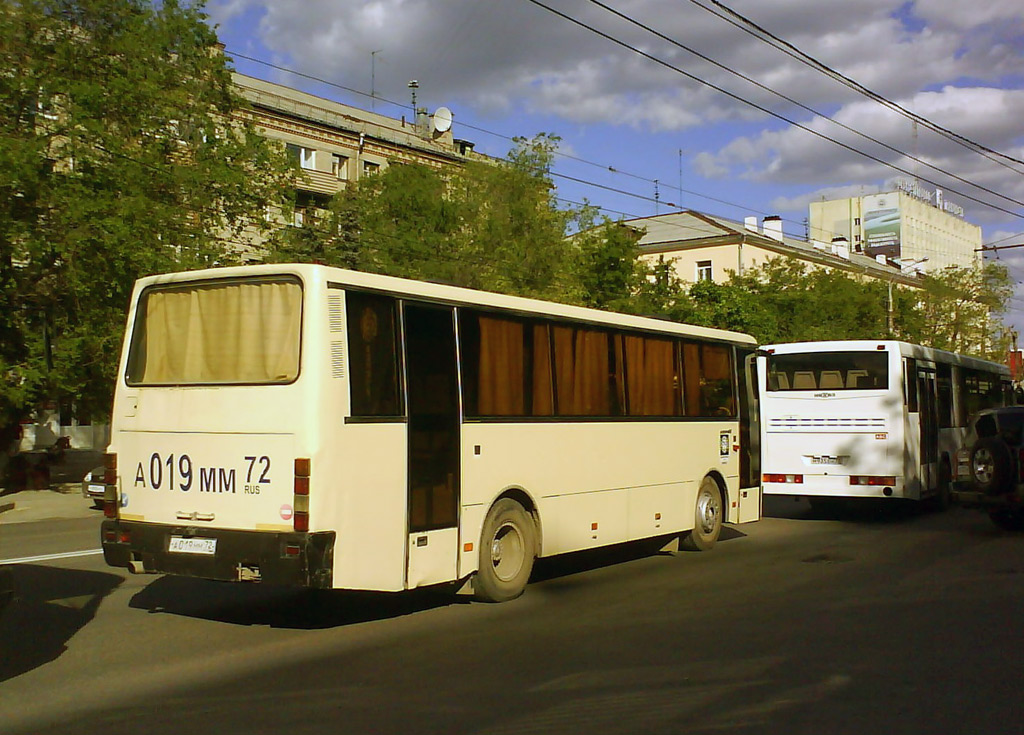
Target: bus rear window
(833, 371)
(220, 333)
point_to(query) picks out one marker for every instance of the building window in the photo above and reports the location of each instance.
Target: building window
(298, 217)
(704, 270)
(370, 168)
(856, 221)
(305, 157)
(339, 166)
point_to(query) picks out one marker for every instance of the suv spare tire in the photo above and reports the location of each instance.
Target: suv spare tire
(991, 465)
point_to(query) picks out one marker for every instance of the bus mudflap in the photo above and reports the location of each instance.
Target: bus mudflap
(281, 558)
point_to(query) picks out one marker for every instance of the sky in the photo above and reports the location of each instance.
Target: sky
(668, 104)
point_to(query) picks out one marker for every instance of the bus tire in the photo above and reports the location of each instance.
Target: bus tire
(708, 517)
(508, 544)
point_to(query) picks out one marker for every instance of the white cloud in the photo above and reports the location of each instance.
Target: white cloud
(944, 60)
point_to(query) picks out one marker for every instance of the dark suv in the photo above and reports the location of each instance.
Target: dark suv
(990, 467)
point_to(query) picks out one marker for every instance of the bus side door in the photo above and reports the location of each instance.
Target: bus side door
(928, 406)
(434, 435)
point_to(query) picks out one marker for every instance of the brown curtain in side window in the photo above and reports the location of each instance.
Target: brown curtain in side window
(691, 378)
(543, 403)
(716, 381)
(581, 372)
(501, 367)
(650, 367)
(235, 332)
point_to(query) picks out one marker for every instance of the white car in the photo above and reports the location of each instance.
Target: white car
(92, 486)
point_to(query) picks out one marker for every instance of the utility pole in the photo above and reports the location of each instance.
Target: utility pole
(889, 313)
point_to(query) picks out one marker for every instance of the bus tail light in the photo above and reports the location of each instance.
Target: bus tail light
(777, 477)
(110, 503)
(300, 519)
(872, 480)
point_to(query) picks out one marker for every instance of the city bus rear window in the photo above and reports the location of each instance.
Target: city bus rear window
(220, 333)
(831, 371)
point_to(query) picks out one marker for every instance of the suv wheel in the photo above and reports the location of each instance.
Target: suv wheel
(991, 465)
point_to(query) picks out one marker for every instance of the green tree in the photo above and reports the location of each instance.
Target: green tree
(490, 226)
(124, 152)
(963, 307)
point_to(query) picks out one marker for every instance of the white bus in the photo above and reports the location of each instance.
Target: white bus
(307, 425)
(868, 419)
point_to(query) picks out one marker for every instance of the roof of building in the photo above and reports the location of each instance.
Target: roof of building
(690, 230)
(290, 102)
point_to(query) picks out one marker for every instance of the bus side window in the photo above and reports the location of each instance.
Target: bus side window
(373, 355)
(910, 384)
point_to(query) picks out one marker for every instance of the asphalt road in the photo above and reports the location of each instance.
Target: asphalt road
(856, 623)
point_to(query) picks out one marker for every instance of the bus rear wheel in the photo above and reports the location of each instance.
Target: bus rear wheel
(708, 521)
(507, 551)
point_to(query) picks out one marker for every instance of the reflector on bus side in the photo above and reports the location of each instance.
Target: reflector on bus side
(300, 503)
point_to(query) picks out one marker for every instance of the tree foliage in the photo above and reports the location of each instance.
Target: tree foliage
(123, 154)
(490, 226)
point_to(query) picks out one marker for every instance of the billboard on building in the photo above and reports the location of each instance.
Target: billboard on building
(882, 225)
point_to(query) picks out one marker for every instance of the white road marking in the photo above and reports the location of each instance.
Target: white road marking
(50, 557)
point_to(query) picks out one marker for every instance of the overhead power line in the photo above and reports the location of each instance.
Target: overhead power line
(801, 105)
(610, 169)
(750, 27)
(764, 109)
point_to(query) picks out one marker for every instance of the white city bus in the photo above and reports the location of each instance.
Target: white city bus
(307, 425)
(868, 419)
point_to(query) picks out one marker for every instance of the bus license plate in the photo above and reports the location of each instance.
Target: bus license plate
(179, 545)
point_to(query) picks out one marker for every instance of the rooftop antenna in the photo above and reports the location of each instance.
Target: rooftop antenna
(373, 77)
(413, 86)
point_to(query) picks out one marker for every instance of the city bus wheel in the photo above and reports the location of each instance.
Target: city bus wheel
(507, 550)
(708, 520)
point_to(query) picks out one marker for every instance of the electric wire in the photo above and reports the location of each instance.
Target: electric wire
(799, 104)
(751, 28)
(762, 108)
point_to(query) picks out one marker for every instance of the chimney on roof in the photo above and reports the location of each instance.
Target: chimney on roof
(841, 247)
(773, 227)
(881, 259)
(750, 223)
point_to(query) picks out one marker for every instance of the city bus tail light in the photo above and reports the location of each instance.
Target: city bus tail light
(110, 485)
(300, 520)
(777, 477)
(872, 480)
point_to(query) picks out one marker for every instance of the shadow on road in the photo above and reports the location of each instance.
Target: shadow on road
(855, 510)
(606, 556)
(49, 607)
(283, 607)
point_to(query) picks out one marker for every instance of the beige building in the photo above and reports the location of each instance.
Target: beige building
(334, 144)
(704, 247)
(910, 226)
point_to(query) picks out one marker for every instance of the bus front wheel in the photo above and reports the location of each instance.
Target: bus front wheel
(507, 550)
(708, 520)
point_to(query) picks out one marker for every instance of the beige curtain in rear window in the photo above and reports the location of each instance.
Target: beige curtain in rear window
(232, 332)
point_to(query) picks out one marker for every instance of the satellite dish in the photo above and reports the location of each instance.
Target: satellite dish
(442, 119)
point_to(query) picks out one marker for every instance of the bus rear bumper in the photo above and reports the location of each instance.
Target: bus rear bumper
(835, 487)
(283, 558)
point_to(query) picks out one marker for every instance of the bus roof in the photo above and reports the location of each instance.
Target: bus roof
(906, 349)
(456, 295)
